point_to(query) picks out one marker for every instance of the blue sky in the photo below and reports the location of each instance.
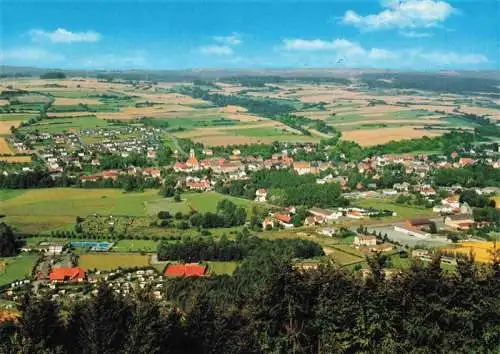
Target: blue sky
(397, 34)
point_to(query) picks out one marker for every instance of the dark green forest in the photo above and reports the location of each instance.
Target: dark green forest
(270, 306)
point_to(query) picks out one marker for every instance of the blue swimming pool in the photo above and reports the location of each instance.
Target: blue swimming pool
(93, 245)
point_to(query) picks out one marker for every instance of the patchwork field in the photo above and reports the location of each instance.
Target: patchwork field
(110, 261)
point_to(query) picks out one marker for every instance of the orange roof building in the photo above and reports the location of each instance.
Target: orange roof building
(67, 274)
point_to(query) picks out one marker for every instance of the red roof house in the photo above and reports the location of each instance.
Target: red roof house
(186, 270)
(67, 274)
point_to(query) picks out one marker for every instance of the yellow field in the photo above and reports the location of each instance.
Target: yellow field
(372, 137)
(497, 201)
(6, 124)
(63, 101)
(22, 159)
(479, 249)
(4, 147)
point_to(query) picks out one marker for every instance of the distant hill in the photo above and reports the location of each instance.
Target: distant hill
(442, 81)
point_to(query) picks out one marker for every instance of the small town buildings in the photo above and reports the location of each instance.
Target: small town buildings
(327, 215)
(365, 240)
(302, 167)
(199, 185)
(459, 221)
(152, 172)
(67, 274)
(416, 227)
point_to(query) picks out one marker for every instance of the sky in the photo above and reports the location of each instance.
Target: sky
(125, 34)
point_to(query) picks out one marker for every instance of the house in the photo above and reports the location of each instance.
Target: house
(327, 215)
(427, 191)
(465, 208)
(110, 174)
(284, 220)
(268, 223)
(459, 221)
(203, 185)
(152, 172)
(186, 270)
(90, 178)
(401, 187)
(302, 167)
(452, 202)
(465, 161)
(67, 274)
(181, 167)
(327, 231)
(52, 248)
(261, 195)
(151, 154)
(365, 240)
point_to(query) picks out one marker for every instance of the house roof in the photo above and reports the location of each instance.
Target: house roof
(283, 217)
(62, 274)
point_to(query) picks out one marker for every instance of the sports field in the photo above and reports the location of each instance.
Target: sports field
(110, 261)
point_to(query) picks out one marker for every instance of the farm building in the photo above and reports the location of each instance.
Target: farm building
(328, 215)
(186, 270)
(459, 222)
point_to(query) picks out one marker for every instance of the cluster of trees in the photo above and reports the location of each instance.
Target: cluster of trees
(9, 243)
(447, 143)
(207, 249)
(228, 214)
(115, 161)
(33, 179)
(53, 75)
(126, 182)
(287, 188)
(269, 306)
(478, 175)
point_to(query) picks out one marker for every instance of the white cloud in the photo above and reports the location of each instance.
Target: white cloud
(62, 35)
(402, 14)
(233, 39)
(414, 34)
(354, 54)
(215, 49)
(29, 55)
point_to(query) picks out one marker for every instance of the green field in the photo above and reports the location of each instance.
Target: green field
(110, 261)
(44, 210)
(62, 124)
(38, 210)
(135, 246)
(221, 268)
(17, 268)
(403, 211)
(6, 194)
(201, 202)
(16, 116)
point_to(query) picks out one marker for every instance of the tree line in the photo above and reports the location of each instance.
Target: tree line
(271, 306)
